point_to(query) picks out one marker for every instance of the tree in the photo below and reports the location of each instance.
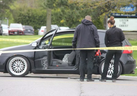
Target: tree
(49, 5)
(4, 6)
(71, 12)
(104, 7)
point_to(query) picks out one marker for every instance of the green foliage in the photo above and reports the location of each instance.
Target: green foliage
(98, 23)
(68, 14)
(72, 14)
(4, 7)
(65, 12)
(30, 16)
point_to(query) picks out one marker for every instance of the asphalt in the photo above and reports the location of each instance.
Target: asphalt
(65, 85)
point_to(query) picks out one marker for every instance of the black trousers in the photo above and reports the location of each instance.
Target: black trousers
(109, 56)
(86, 58)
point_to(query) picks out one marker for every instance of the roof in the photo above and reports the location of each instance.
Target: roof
(66, 30)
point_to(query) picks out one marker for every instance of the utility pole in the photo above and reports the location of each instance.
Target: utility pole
(48, 24)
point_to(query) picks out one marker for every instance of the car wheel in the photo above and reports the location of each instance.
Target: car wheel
(18, 66)
(110, 69)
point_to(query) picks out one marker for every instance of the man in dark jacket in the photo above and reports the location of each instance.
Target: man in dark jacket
(86, 36)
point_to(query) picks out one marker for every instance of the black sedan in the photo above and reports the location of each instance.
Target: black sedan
(61, 61)
(28, 30)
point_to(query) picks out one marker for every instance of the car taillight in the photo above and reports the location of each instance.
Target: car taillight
(127, 51)
(42, 30)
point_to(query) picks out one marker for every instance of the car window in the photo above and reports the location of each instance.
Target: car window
(45, 42)
(28, 27)
(62, 40)
(15, 26)
(46, 38)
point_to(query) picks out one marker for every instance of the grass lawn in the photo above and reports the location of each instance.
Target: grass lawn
(134, 43)
(7, 41)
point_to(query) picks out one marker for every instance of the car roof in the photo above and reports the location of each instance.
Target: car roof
(16, 23)
(27, 26)
(43, 26)
(4, 25)
(70, 30)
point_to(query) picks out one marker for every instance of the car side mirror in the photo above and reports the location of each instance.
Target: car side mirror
(34, 44)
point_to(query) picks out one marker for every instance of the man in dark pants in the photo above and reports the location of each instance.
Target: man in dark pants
(86, 36)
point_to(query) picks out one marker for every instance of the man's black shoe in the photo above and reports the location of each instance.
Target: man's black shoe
(90, 80)
(82, 80)
(103, 80)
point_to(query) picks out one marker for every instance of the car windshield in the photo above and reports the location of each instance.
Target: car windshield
(15, 26)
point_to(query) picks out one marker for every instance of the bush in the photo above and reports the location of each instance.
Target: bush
(97, 22)
(60, 17)
(30, 16)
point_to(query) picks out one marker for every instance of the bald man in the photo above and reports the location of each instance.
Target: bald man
(86, 36)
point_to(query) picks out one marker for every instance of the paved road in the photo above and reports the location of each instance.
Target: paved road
(65, 85)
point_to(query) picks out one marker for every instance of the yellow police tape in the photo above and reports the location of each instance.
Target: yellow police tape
(101, 48)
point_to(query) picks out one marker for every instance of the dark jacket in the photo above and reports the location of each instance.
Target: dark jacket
(114, 37)
(86, 35)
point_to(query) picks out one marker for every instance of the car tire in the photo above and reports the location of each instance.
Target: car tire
(18, 66)
(110, 69)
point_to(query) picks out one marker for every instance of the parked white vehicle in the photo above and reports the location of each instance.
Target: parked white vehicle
(5, 29)
(43, 29)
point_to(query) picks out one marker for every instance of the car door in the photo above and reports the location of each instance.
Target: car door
(63, 59)
(41, 57)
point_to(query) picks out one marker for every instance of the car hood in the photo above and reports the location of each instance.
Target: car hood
(20, 47)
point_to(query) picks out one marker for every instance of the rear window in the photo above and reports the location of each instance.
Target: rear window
(126, 42)
(28, 27)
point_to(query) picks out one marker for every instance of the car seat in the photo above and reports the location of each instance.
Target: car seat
(67, 59)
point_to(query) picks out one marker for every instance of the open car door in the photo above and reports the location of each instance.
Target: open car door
(41, 58)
